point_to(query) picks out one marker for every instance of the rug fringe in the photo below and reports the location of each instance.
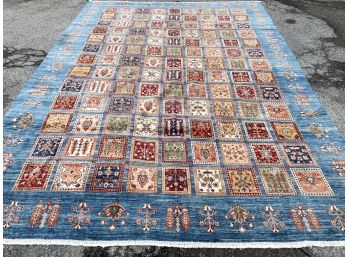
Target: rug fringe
(191, 2)
(299, 244)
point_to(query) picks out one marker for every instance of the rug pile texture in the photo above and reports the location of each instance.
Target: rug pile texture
(178, 124)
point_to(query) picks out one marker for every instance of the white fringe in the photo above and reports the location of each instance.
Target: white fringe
(182, 244)
(170, 2)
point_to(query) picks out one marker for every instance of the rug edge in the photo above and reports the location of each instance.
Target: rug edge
(183, 244)
(159, 1)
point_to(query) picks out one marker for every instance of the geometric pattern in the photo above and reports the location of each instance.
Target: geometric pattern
(242, 182)
(312, 182)
(276, 182)
(142, 179)
(107, 177)
(34, 176)
(209, 182)
(176, 180)
(71, 176)
(174, 110)
(298, 155)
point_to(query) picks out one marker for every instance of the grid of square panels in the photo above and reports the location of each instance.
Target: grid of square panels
(182, 95)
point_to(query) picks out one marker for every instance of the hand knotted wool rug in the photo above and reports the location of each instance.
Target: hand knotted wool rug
(172, 124)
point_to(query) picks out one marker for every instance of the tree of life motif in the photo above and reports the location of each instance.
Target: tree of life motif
(240, 218)
(178, 217)
(144, 217)
(272, 219)
(338, 217)
(80, 215)
(304, 219)
(115, 212)
(10, 213)
(208, 213)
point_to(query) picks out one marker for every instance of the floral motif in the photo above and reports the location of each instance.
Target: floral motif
(46, 147)
(204, 153)
(318, 131)
(271, 93)
(144, 150)
(145, 126)
(124, 88)
(208, 214)
(144, 217)
(272, 219)
(142, 179)
(121, 104)
(65, 102)
(80, 215)
(339, 166)
(93, 103)
(34, 176)
(7, 161)
(266, 154)
(245, 92)
(23, 121)
(312, 182)
(241, 77)
(149, 89)
(250, 110)
(331, 148)
(198, 108)
(242, 182)
(257, 130)
(229, 130)
(201, 128)
(209, 182)
(151, 75)
(176, 180)
(286, 131)
(241, 218)
(10, 214)
(87, 124)
(174, 151)
(72, 85)
(56, 123)
(112, 148)
(338, 217)
(116, 124)
(298, 155)
(234, 153)
(277, 111)
(11, 140)
(107, 177)
(276, 181)
(148, 105)
(115, 212)
(196, 90)
(173, 107)
(71, 176)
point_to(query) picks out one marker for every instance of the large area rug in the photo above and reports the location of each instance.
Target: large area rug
(172, 124)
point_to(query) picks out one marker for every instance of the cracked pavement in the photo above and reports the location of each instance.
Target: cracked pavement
(314, 30)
